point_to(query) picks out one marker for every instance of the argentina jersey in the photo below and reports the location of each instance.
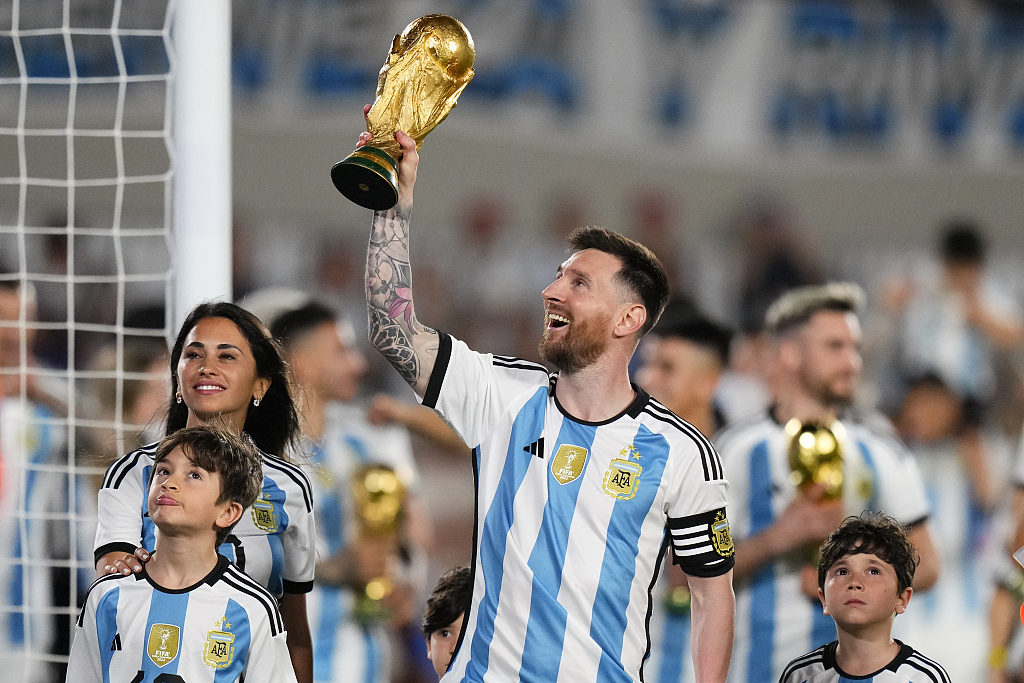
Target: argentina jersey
(573, 519)
(347, 649)
(909, 666)
(274, 542)
(223, 629)
(775, 620)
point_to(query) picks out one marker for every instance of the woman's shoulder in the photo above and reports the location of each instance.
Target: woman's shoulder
(135, 461)
(289, 477)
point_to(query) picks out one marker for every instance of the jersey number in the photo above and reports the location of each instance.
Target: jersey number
(162, 678)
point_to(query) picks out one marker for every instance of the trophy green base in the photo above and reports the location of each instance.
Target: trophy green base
(368, 177)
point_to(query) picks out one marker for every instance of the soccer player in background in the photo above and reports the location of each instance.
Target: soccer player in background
(446, 610)
(189, 614)
(327, 368)
(681, 362)
(816, 337)
(579, 473)
(865, 579)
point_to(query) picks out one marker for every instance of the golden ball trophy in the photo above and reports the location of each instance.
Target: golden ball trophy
(379, 504)
(430, 64)
(816, 458)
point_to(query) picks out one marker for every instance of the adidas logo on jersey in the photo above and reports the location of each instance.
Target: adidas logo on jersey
(536, 448)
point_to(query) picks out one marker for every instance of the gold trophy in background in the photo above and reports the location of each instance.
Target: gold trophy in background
(816, 457)
(430, 64)
(379, 498)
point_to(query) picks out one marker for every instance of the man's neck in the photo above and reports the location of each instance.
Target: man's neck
(866, 650)
(180, 561)
(596, 393)
(314, 414)
(790, 404)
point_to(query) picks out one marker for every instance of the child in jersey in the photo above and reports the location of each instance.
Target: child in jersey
(864, 580)
(446, 610)
(189, 615)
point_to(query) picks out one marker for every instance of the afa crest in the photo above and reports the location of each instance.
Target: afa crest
(567, 465)
(162, 645)
(219, 650)
(263, 514)
(622, 477)
(720, 536)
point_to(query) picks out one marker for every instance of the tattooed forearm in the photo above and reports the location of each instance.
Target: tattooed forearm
(393, 328)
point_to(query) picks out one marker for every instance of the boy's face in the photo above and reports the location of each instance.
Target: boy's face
(183, 498)
(861, 590)
(441, 645)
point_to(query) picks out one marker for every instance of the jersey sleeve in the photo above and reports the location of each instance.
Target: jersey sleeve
(119, 506)
(84, 659)
(268, 660)
(473, 390)
(299, 539)
(701, 540)
(901, 492)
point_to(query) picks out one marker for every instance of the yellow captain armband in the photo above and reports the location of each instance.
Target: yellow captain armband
(997, 658)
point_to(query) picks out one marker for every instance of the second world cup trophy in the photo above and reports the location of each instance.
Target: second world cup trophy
(430, 64)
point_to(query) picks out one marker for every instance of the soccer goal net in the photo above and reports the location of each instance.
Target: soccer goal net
(86, 164)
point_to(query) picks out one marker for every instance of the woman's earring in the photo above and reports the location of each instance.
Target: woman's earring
(177, 397)
(255, 402)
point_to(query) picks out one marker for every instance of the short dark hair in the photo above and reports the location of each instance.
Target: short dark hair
(235, 458)
(797, 306)
(641, 271)
(290, 325)
(274, 426)
(874, 534)
(684, 321)
(963, 243)
(452, 596)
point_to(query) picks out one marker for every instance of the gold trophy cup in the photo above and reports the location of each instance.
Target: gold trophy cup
(430, 64)
(379, 502)
(816, 457)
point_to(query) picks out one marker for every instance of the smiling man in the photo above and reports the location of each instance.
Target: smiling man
(583, 480)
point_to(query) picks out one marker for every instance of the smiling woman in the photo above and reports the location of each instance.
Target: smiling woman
(227, 370)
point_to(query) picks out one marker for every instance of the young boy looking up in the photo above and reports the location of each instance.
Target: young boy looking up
(189, 615)
(446, 609)
(864, 580)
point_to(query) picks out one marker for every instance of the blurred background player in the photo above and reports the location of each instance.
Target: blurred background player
(816, 337)
(445, 613)
(351, 643)
(682, 360)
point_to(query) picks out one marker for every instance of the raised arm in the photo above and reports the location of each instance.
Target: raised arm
(393, 328)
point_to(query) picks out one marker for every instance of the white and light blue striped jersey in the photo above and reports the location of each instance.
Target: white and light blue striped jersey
(909, 666)
(572, 521)
(274, 542)
(29, 494)
(775, 620)
(345, 650)
(224, 629)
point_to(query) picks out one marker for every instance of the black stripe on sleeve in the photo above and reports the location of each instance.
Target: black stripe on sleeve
(297, 586)
(295, 474)
(709, 459)
(801, 663)
(696, 548)
(244, 584)
(119, 546)
(120, 469)
(929, 667)
(85, 601)
(517, 364)
(444, 355)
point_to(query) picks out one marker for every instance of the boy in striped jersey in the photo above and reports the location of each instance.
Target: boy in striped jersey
(189, 614)
(583, 481)
(864, 580)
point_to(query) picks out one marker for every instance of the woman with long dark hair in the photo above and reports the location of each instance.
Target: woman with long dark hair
(227, 370)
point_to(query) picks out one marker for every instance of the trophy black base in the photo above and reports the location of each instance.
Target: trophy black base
(368, 177)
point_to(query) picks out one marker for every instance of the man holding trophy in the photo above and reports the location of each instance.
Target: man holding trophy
(799, 469)
(583, 480)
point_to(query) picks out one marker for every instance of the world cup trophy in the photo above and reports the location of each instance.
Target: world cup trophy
(816, 458)
(430, 64)
(379, 504)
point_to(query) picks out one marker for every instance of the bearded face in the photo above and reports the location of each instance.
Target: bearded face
(577, 347)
